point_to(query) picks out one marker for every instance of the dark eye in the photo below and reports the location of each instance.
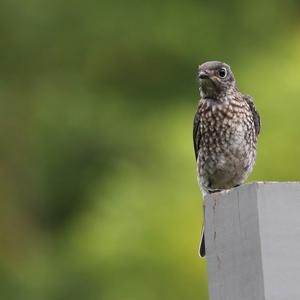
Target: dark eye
(222, 72)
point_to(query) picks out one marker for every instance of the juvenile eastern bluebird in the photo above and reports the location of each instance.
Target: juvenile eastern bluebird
(226, 126)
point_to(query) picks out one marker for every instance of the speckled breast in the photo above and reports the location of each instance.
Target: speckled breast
(228, 144)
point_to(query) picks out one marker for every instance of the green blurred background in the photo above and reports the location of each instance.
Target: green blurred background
(98, 191)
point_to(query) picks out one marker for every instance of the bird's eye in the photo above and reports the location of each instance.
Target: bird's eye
(222, 72)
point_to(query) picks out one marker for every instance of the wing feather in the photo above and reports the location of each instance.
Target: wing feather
(196, 131)
(256, 117)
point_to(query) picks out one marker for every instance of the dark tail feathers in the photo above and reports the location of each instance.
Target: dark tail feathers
(202, 245)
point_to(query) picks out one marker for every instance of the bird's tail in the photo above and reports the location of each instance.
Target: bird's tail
(202, 244)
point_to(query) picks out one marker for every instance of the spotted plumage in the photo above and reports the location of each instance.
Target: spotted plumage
(226, 126)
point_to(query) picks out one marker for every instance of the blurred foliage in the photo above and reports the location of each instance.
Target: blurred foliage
(98, 192)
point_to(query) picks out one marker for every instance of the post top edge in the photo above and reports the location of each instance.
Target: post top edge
(251, 185)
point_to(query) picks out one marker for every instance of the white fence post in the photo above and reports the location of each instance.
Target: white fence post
(252, 236)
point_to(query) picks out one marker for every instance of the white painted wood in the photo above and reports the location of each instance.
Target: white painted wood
(252, 238)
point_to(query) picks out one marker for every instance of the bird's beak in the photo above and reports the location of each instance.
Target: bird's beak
(203, 75)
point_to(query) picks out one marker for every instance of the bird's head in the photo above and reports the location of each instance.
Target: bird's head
(216, 79)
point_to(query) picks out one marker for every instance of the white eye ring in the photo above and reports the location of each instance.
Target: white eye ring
(222, 72)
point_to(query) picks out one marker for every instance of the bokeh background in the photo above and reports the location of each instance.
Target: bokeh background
(97, 174)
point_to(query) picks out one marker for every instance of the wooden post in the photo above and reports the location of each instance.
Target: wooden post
(252, 236)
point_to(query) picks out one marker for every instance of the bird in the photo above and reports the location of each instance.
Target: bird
(225, 130)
